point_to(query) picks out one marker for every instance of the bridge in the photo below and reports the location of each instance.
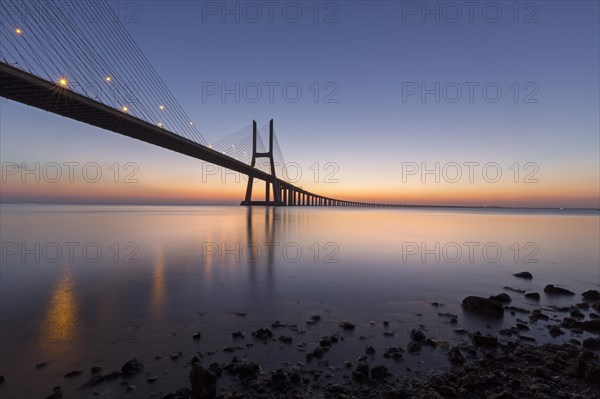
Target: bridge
(62, 63)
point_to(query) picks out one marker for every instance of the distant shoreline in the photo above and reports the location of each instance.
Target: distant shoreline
(484, 207)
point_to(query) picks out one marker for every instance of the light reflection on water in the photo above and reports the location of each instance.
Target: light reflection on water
(138, 281)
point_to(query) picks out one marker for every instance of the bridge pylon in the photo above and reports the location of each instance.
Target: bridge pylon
(272, 185)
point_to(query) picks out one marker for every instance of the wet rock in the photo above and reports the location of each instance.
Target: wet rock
(485, 340)
(591, 295)
(389, 333)
(379, 373)
(370, 350)
(238, 335)
(336, 389)
(484, 306)
(504, 395)
(576, 313)
(204, 383)
(2, 379)
(318, 353)
(413, 346)
(152, 379)
(315, 318)
(555, 331)
(396, 394)
(41, 365)
(176, 355)
(57, 392)
(248, 371)
(96, 369)
(73, 374)
(527, 338)
(554, 290)
(196, 335)
(417, 335)
(346, 325)
(520, 291)
(592, 343)
(503, 298)
(278, 324)
(263, 334)
(393, 353)
(285, 339)
(132, 367)
(446, 391)
(361, 372)
(455, 357)
(533, 295)
(525, 275)
(538, 315)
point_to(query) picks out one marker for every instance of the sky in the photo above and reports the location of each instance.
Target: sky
(405, 102)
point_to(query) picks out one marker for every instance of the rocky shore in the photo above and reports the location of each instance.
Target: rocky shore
(509, 364)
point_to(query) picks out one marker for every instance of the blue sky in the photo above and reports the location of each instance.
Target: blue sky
(545, 61)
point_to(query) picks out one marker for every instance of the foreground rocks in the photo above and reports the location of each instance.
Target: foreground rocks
(483, 306)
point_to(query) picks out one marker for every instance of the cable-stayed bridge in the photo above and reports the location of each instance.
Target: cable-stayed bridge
(81, 63)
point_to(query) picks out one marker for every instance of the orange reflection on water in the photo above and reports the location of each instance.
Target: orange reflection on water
(157, 298)
(61, 315)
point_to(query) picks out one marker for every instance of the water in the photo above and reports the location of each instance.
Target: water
(98, 285)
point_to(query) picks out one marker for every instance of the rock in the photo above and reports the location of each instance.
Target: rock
(238, 335)
(41, 365)
(96, 369)
(414, 346)
(361, 373)
(592, 343)
(346, 325)
(503, 298)
(2, 379)
(525, 275)
(417, 335)
(484, 306)
(520, 291)
(446, 391)
(285, 339)
(57, 392)
(591, 295)
(393, 353)
(455, 357)
(196, 336)
(533, 295)
(503, 395)
(152, 379)
(132, 367)
(379, 372)
(176, 355)
(336, 389)
(554, 290)
(204, 383)
(555, 331)
(485, 340)
(370, 350)
(315, 318)
(262, 334)
(73, 374)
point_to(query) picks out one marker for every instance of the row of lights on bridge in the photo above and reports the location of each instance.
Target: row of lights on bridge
(63, 82)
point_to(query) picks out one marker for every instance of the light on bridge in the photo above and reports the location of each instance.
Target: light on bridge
(162, 107)
(191, 123)
(160, 124)
(18, 31)
(63, 82)
(210, 146)
(108, 79)
(125, 109)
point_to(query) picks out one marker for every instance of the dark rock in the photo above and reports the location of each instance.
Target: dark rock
(591, 295)
(2, 379)
(503, 298)
(485, 340)
(96, 369)
(417, 335)
(414, 346)
(393, 353)
(248, 371)
(315, 318)
(336, 389)
(554, 290)
(278, 324)
(592, 343)
(263, 334)
(285, 339)
(520, 291)
(132, 367)
(361, 373)
(176, 355)
(196, 335)
(517, 309)
(57, 392)
(455, 357)
(73, 374)
(370, 350)
(346, 325)
(555, 331)
(379, 372)
(525, 275)
(238, 335)
(483, 306)
(204, 383)
(152, 379)
(41, 365)
(446, 391)
(396, 394)
(533, 295)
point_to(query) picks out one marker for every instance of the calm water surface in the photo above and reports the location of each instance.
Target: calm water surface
(98, 285)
